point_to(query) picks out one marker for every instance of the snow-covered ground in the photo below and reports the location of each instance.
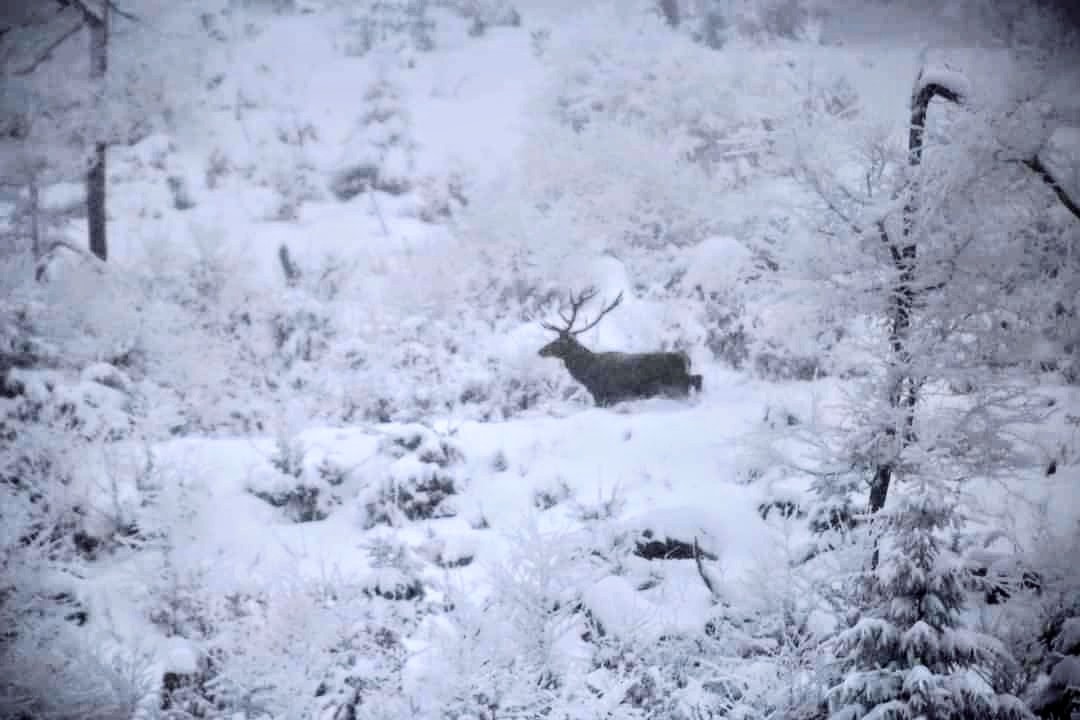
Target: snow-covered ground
(245, 172)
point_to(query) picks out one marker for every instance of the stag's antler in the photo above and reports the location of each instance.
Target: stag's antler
(576, 303)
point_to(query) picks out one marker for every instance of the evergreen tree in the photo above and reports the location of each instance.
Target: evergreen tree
(908, 655)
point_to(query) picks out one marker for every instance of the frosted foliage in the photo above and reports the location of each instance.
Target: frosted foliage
(667, 87)
(580, 178)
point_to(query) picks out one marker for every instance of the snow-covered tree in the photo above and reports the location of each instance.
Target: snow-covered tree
(907, 654)
(922, 246)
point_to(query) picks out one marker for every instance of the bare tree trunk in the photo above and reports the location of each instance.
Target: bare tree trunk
(95, 177)
(35, 217)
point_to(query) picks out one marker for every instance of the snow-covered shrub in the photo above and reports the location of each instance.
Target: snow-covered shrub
(354, 180)
(293, 187)
(66, 499)
(721, 116)
(483, 14)
(218, 168)
(381, 157)
(551, 493)
(369, 673)
(181, 194)
(393, 25)
(727, 338)
(441, 199)
(500, 397)
(422, 473)
(301, 331)
(596, 205)
(277, 649)
(303, 492)
(394, 571)
(787, 19)
(51, 671)
(515, 649)
(56, 436)
(1058, 695)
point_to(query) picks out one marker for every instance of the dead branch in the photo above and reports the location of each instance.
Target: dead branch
(710, 583)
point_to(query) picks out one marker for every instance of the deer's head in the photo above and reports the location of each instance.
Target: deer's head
(567, 344)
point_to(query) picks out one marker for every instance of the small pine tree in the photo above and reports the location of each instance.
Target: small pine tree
(387, 130)
(906, 655)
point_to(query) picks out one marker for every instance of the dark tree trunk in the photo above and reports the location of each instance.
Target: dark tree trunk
(35, 217)
(904, 390)
(95, 176)
(95, 203)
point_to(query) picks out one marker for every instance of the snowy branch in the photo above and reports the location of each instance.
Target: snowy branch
(929, 86)
(1036, 165)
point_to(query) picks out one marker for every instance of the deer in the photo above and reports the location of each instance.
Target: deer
(611, 377)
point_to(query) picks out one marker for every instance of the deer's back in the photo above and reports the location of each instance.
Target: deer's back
(614, 376)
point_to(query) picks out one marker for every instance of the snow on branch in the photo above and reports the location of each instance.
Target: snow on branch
(42, 269)
(946, 79)
(932, 82)
(1058, 165)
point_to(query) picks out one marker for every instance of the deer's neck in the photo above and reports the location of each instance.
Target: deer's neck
(578, 361)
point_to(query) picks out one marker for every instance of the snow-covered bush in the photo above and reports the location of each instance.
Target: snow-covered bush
(395, 25)
(515, 649)
(783, 19)
(57, 418)
(483, 14)
(303, 492)
(1058, 695)
(421, 474)
(51, 671)
(381, 158)
(720, 115)
(394, 570)
(301, 331)
(67, 498)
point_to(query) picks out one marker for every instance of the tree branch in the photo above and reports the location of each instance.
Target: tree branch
(1036, 166)
(131, 17)
(89, 14)
(919, 106)
(710, 582)
(92, 15)
(47, 54)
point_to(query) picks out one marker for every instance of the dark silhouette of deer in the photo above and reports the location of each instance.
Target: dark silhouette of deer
(611, 377)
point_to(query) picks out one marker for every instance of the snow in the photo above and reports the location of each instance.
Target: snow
(946, 77)
(549, 505)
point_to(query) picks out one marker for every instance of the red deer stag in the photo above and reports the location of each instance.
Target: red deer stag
(611, 377)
